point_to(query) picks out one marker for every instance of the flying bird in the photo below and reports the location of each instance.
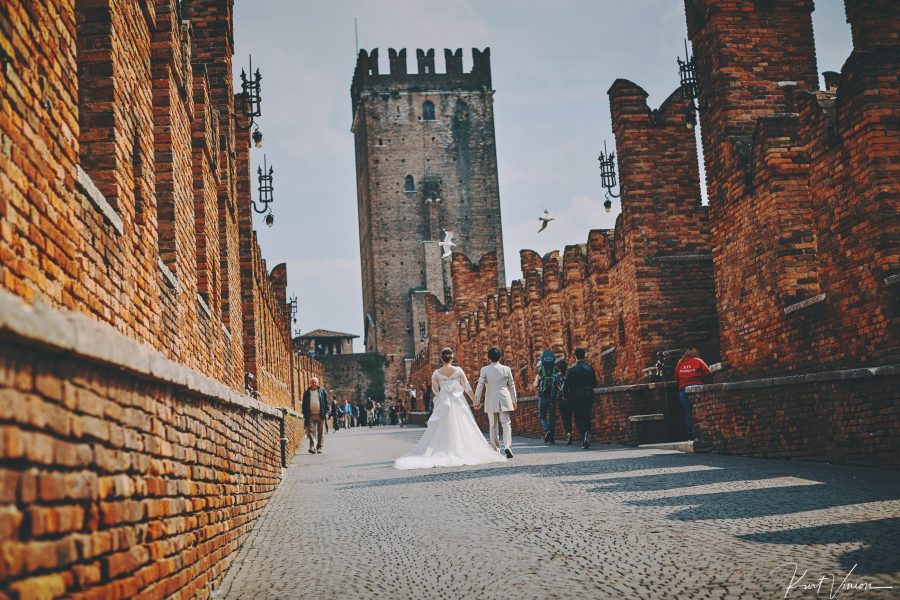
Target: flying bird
(447, 244)
(545, 220)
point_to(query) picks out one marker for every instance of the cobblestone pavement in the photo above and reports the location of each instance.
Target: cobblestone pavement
(559, 522)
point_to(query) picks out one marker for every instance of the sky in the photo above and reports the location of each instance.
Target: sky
(552, 64)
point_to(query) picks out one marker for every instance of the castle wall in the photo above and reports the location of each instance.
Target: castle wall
(789, 276)
(132, 459)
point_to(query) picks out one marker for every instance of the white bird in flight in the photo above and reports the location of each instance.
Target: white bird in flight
(447, 244)
(545, 220)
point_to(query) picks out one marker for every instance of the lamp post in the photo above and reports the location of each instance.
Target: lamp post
(266, 192)
(251, 101)
(608, 175)
(690, 87)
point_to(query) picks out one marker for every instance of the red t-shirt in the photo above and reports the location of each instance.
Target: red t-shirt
(690, 371)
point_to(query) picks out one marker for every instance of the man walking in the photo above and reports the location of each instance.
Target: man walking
(543, 383)
(496, 383)
(315, 411)
(579, 389)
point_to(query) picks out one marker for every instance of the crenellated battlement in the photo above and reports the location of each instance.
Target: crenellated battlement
(368, 76)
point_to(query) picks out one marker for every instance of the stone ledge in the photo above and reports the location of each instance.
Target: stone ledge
(670, 258)
(97, 198)
(79, 334)
(608, 351)
(771, 382)
(204, 306)
(167, 274)
(637, 387)
(804, 303)
(653, 417)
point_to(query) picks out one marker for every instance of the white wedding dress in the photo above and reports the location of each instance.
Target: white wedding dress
(452, 438)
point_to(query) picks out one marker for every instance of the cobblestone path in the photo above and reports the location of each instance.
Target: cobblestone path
(562, 522)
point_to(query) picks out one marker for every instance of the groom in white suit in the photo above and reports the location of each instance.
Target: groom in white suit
(499, 389)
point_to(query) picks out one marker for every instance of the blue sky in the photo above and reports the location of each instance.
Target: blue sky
(552, 64)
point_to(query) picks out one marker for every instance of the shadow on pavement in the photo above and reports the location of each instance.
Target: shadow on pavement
(878, 554)
(826, 486)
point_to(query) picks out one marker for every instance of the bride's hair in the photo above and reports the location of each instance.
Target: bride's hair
(446, 355)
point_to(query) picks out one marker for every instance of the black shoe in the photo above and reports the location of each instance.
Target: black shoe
(312, 451)
(547, 437)
(587, 440)
(569, 439)
(319, 450)
(509, 453)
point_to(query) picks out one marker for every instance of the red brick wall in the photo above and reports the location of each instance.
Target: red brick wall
(641, 297)
(114, 484)
(119, 200)
(756, 171)
(609, 422)
(849, 420)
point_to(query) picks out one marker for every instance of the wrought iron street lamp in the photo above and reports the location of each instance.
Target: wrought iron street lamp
(690, 87)
(608, 175)
(294, 309)
(251, 99)
(266, 192)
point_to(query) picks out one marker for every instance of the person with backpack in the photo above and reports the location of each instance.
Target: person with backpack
(560, 400)
(543, 383)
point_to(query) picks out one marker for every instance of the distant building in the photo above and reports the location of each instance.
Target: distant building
(321, 342)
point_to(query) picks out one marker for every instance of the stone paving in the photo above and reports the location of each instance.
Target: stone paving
(559, 522)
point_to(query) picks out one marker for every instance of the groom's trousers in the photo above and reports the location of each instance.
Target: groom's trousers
(506, 422)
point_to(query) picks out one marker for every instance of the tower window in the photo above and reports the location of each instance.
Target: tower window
(410, 185)
(428, 111)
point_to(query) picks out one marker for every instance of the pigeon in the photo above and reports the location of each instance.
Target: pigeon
(447, 244)
(545, 220)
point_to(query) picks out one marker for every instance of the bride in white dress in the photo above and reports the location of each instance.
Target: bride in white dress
(452, 438)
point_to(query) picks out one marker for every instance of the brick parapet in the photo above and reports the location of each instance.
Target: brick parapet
(802, 192)
(124, 471)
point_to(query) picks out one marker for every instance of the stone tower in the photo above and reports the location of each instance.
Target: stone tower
(426, 161)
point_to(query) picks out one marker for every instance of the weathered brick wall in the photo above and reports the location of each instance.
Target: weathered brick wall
(453, 165)
(849, 417)
(123, 472)
(802, 189)
(794, 266)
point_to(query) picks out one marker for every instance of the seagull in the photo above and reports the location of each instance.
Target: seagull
(545, 220)
(447, 244)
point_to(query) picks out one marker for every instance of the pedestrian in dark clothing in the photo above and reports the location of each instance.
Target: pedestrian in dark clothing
(336, 415)
(543, 383)
(579, 388)
(561, 401)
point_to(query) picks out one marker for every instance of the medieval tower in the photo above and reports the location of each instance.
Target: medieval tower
(426, 162)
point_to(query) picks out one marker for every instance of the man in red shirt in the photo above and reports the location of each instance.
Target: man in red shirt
(690, 370)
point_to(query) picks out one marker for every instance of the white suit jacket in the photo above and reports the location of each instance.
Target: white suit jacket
(496, 383)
